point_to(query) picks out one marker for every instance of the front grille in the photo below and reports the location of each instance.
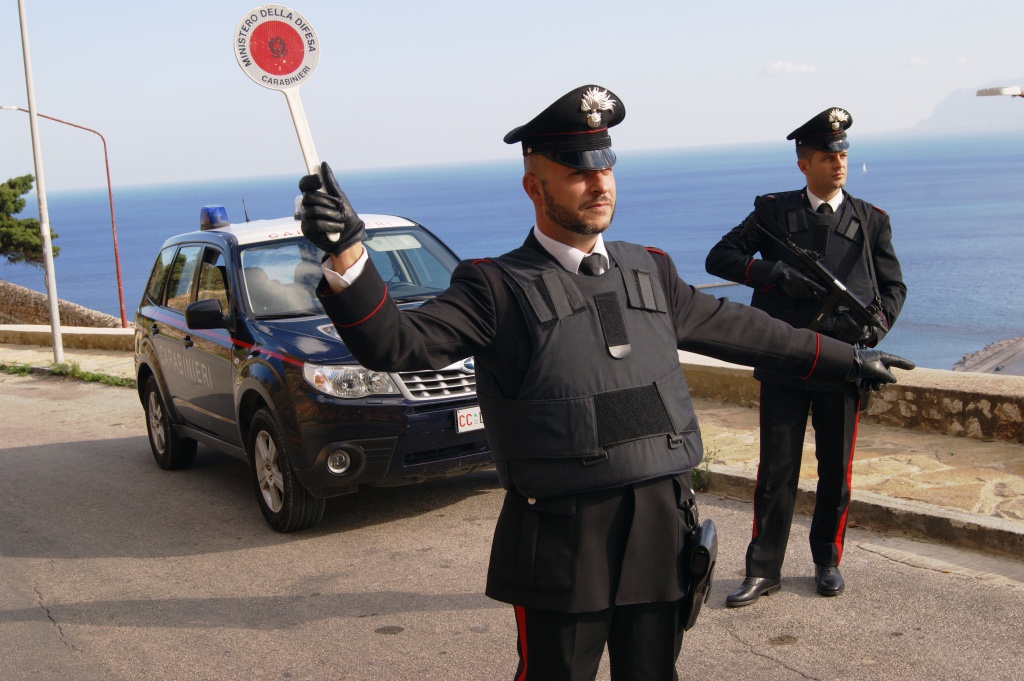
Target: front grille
(452, 381)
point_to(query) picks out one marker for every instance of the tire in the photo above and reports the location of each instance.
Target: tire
(170, 450)
(284, 502)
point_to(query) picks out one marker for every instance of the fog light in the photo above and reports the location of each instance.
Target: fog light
(339, 462)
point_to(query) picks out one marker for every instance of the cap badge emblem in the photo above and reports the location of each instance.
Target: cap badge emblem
(836, 117)
(595, 102)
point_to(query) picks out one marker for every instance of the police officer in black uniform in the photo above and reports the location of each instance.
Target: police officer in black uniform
(853, 239)
(587, 411)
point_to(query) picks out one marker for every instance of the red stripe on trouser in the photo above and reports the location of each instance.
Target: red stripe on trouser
(753, 531)
(849, 486)
(521, 628)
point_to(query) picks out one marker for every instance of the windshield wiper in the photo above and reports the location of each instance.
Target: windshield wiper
(414, 299)
(292, 314)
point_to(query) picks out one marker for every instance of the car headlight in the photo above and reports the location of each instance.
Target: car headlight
(348, 380)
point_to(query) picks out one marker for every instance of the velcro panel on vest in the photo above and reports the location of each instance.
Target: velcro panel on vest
(609, 311)
(630, 414)
(552, 297)
(542, 429)
(644, 291)
(849, 227)
(581, 427)
(792, 224)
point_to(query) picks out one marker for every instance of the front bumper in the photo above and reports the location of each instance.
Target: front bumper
(391, 445)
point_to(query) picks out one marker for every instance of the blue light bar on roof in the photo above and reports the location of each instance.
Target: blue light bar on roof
(212, 217)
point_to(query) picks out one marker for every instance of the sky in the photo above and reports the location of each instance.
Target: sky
(422, 83)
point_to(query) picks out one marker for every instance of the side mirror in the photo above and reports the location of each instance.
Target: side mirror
(205, 314)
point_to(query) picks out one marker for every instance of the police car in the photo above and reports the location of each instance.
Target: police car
(234, 351)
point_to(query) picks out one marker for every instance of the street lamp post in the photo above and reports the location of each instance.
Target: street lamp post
(110, 196)
(44, 214)
(1008, 91)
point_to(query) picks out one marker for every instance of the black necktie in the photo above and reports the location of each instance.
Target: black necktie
(591, 265)
(825, 208)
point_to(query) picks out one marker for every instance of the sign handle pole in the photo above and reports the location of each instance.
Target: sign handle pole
(302, 130)
(305, 138)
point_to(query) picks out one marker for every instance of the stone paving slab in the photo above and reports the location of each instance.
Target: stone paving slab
(953, 472)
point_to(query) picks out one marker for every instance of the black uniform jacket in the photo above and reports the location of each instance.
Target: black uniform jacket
(844, 254)
(592, 550)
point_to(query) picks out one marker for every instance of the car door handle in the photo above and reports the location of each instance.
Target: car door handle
(187, 341)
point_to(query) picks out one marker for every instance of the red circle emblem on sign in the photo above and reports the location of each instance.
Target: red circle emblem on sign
(277, 47)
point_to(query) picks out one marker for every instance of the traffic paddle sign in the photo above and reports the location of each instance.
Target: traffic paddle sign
(278, 49)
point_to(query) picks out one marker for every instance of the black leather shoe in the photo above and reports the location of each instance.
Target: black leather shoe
(829, 580)
(751, 589)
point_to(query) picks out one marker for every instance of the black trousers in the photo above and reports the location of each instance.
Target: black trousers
(643, 641)
(834, 416)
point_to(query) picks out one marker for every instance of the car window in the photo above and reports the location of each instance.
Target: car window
(155, 285)
(179, 284)
(213, 279)
(412, 262)
(280, 278)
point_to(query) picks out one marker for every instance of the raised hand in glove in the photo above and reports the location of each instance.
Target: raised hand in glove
(328, 214)
(848, 330)
(871, 367)
(795, 283)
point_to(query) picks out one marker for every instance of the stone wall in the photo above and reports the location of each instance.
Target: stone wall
(19, 305)
(981, 406)
(961, 404)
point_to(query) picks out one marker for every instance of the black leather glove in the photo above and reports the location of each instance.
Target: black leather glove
(847, 329)
(795, 283)
(871, 367)
(328, 213)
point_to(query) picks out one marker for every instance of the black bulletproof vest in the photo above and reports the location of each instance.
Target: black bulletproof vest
(603, 401)
(839, 240)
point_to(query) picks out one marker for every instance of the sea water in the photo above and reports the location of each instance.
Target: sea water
(956, 205)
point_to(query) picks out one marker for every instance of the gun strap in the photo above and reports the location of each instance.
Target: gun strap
(868, 253)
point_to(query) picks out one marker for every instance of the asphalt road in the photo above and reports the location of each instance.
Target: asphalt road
(111, 568)
(1003, 357)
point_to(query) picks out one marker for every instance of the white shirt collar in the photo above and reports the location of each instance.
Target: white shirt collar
(569, 257)
(835, 201)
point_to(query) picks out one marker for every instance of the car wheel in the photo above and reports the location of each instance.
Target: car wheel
(285, 503)
(170, 450)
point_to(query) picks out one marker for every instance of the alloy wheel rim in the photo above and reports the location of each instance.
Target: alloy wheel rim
(268, 471)
(156, 425)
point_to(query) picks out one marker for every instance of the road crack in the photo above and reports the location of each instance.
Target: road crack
(750, 648)
(56, 624)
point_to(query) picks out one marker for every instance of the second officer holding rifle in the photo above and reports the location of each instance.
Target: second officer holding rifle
(826, 263)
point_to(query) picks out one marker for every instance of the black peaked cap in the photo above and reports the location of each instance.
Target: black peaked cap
(574, 130)
(824, 132)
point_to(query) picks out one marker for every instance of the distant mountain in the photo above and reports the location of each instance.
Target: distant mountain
(964, 111)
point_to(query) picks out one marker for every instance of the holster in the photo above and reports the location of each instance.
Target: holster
(700, 553)
(865, 393)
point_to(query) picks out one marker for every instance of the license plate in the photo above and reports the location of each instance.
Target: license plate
(468, 419)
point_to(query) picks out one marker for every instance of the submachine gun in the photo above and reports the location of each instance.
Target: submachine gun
(837, 295)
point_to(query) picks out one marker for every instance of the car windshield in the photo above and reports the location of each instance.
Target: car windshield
(280, 277)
